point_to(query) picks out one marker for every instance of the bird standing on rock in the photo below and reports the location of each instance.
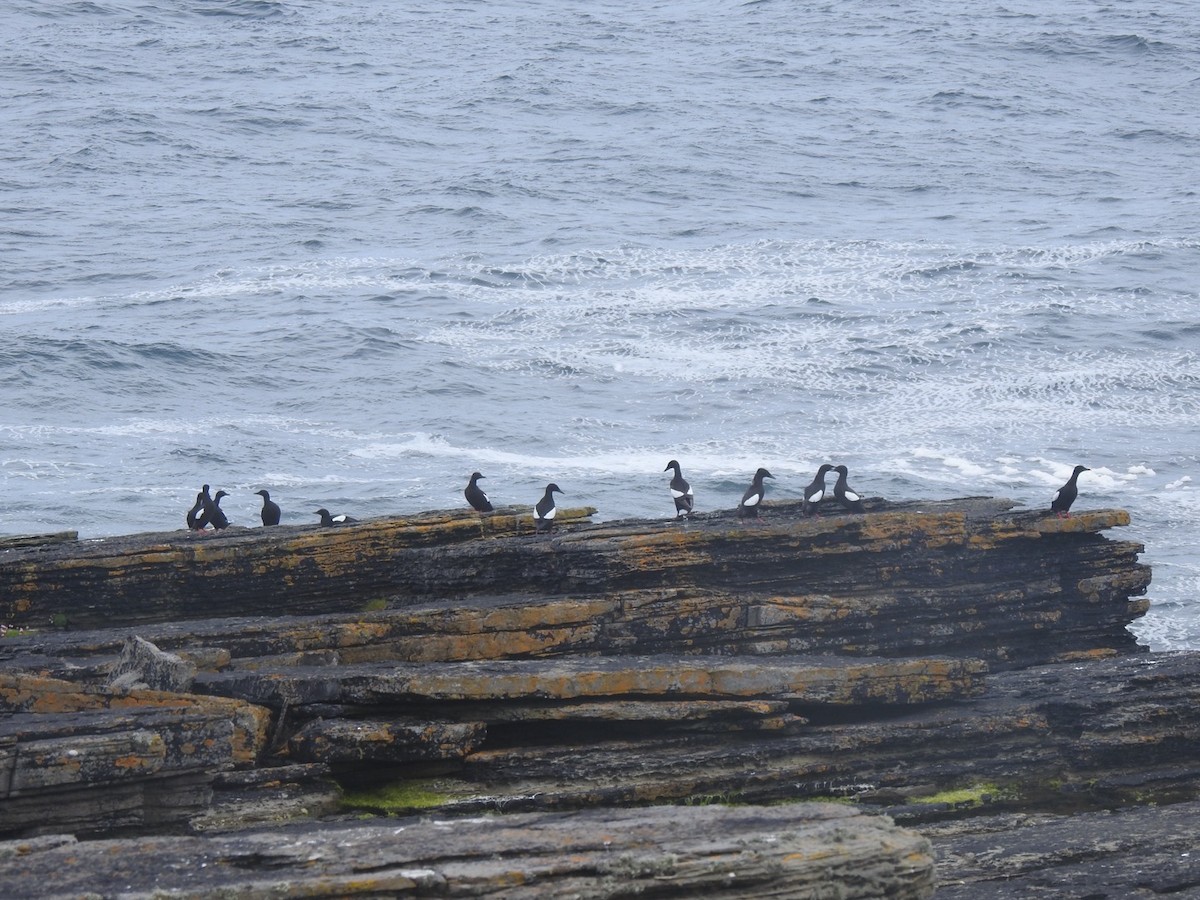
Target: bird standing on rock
(214, 514)
(475, 495)
(815, 492)
(270, 509)
(843, 493)
(1065, 495)
(681, 491)
(195, 515)
(327, 519)
(748, 507)
(544, 510)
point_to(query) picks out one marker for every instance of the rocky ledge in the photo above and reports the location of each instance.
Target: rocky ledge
(583, 706)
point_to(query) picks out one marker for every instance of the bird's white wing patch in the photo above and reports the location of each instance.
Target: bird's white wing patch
(551, 513)
(851, 496)
(752, 500)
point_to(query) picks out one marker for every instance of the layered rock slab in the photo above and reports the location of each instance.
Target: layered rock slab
(171, 576)
(798, 851)
(805, 679)
(92, 760)
(635, 647)
(1104, 731)
(971, 578)
(1144, 851)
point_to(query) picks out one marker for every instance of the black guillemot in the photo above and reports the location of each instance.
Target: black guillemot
(815, 492)
(327, 519)
(681, 491)
(214, 514)
(1065, 495)
(544, 510)
(748, 507)
(270, 509)
(475, 495)
(195, 516)
(843, 493)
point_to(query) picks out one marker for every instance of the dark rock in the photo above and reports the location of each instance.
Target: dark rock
(799, 679)
(611, 665)
(92, 761)
(1142, 851)
(1066, 734)
(23, 541)
(385, 740)
(800, 851)
(142, 665)
(968, 578)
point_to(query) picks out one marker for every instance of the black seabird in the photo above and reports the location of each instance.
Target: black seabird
(195, 516)
(815, 492)
(270, 510)
(327, 519)
(1065, 495)
(748, 508)
(544, 510)
(843, 494)
(475, 495)
(681, 491)
(213, 512)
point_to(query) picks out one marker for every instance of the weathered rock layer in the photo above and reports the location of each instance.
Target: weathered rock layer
(963, 578)
(471, 666)
(795, 851)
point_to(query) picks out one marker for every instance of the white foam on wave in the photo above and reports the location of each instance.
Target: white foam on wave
(663, 278)
(32, 469)
(327, 276)
(717, 460)
(963, 468)
(1024, 476)
(972, 342)
(172, 426)
(1098, 479)
(32, 305)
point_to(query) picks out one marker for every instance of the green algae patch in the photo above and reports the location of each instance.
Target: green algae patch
(412, 795)
(967, 797)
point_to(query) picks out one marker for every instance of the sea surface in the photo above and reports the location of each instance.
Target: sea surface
(351, 251)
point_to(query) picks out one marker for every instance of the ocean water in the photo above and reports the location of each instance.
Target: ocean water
(350, 252)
